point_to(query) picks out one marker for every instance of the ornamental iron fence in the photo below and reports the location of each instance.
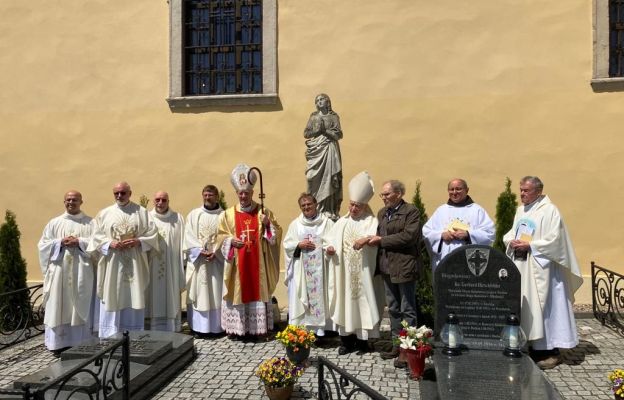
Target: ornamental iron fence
(333, 378)
(21, 315)
(105, 375)
(608, 297)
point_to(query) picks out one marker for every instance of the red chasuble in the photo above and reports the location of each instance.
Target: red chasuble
(249, 255)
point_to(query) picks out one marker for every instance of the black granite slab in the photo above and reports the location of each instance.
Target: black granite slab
(142, 349)
(481, 285)
(485, 374)
(145, 379)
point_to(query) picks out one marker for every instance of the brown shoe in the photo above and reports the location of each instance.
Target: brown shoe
(387, 355)
(550, 362)
(400, 364)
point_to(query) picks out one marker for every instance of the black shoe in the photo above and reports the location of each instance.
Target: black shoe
(388, 355)
(342, 350)
(362, 347)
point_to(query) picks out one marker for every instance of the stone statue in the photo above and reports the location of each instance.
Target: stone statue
(324, 164)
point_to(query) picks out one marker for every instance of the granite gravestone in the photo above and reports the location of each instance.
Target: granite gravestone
(481, 286)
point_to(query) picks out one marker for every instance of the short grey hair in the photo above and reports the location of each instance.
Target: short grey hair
(396, 186)
(537, 182)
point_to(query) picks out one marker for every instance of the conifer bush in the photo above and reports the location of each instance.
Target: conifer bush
(15, 308)
(424, 289)
(505, 211)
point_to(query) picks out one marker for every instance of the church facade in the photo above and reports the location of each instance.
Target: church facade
(171, 95)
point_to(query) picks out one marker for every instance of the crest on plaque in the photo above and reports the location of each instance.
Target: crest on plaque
(477, 260)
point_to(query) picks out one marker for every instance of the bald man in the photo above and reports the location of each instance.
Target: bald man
(68, 276)
(163, 312)
(459, 222)
(123, 234)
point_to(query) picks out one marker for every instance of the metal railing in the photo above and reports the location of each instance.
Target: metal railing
(21, 315)
(608, 297)
(104, 375)
(331, 377)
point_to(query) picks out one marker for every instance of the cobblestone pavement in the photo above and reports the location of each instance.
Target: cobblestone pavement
(224, 369)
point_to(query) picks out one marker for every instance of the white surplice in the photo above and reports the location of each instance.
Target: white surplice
(204, 279)
(481, 229)
(550, 276)
(306, 275)
(162, 308)
(355, 293)
(68, 285)
(122, 274)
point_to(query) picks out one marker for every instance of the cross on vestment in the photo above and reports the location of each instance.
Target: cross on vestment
(246, 236)
(478, 261)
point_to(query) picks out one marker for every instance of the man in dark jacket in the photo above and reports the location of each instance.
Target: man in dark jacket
(398, 259)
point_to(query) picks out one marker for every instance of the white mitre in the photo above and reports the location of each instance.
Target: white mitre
(241, 178)
(361, 188)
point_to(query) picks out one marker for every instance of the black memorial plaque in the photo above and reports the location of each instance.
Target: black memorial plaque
(143, 349)
(481, 286)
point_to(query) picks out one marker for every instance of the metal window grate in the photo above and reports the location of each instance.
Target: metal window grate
(616, 38)
(222, 47)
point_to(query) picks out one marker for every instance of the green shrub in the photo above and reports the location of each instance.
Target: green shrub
(505, 210)
(424, 289)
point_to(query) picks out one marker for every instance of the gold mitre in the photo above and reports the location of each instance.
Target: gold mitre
(241, 178)
(361, 188)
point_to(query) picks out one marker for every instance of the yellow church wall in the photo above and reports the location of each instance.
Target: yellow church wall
(425, 90)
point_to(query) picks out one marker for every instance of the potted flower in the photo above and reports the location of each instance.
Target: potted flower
(617, 383)
(297, 340)
(415, 343)
(279, 376)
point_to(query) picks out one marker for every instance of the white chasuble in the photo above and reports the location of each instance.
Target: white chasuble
(355, 293)
(68, 286)
(306, 273)
(550, 275)
(163, 310)
(123, 274)
(471, 217)
(204, 279)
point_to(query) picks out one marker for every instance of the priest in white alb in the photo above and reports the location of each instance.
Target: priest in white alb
(204, 265)
(541, 248)
(459, 222)
(163, 311)
(356, 293)
(249, 237)
(306, 268)
(68, 271)
(123, 234)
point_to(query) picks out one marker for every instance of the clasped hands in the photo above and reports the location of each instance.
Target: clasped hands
(125, 244)
(455, 234)
(70, 241)
(210, 255)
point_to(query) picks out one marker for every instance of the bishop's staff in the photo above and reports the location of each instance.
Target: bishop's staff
(261, 196)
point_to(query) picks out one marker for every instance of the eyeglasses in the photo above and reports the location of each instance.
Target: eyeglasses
(120, 193)
(160, 200)
(383, 195)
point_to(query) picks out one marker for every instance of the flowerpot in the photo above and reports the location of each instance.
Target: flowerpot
(279, 393)
(299, 356)
(402, 355)
(416, 362)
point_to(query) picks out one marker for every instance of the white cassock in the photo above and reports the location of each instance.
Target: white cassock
(122, 274)
(68, 284)
(204, 279)
(166, 283)
(550, 276)
(306, 274)
(355, 293)
(480, 229)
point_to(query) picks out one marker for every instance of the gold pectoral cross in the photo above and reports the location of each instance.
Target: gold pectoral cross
(246, 236)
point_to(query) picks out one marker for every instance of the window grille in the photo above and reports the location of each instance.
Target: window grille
(616, 38)
(222, 47)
